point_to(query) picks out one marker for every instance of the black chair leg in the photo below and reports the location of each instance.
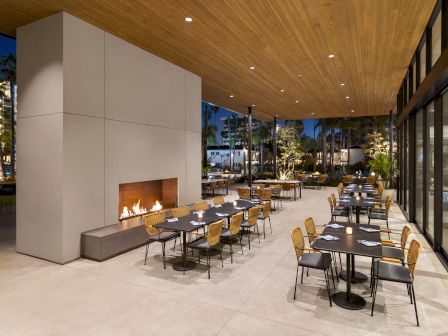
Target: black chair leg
(241, 243)
(163, 255)
(264, 229)
(295, 285)
(248, 236)
(332, 277)
(146, 254)
(374, 289)
(327, 281)
(415, 304)
(301, 278)
(410, 292)
(208, 262)
(231, 250)
(258, 233)
(220, 252)
(270, 225)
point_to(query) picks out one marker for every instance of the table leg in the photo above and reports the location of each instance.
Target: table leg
(347, 299)
(355, 277)
(184, 265)
(357, 215)
(300, 190)
(295, 192)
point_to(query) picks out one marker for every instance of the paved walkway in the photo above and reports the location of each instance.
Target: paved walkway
(252, 296)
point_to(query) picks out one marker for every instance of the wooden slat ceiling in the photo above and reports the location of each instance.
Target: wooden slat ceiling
(372, 40)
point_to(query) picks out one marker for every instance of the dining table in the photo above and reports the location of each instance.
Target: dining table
(360, 189)
(198, 220)
(296, 185)
(351, 245)
(357, 202)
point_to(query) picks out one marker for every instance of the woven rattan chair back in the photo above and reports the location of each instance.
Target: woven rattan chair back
(153, 219)
(243, 193)
(218, 200)
(201, 206)
(181, 212)
(370, 180)
(267, 209)
(404, 237)
(214, 233)
(298, 242)
(235, 223)
(347, 179)
(252, 217)
(330, 201)
(264, 194)
(310, 229)
(413, 253)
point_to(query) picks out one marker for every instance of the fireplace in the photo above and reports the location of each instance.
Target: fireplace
(139, 198)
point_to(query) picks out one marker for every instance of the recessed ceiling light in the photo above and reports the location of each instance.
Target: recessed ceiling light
(231, 96)
(342, 84)
(353, 111)
(188, 19)
(330, 56)
(276, 115)
(299, 75)
(282, 90)
(253, 105)
(347, 97)
(312, 113)
(297, 101)
(252, 67)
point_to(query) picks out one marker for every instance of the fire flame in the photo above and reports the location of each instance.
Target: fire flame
(138, 210)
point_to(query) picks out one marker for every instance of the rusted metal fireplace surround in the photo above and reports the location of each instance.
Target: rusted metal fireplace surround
(139, 198)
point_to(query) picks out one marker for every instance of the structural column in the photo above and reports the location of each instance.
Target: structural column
(249, 151)
(274, 145)
(391, 138)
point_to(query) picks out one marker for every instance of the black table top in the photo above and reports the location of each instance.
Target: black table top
(353, 201)
(349, 243)
(365, 188)
(209, 216)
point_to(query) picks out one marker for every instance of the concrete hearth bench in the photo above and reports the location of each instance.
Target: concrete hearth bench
(110, 241)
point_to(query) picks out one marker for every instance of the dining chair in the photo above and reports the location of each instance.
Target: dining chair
(157, 235)
(221, 185)
(371, 180)
(287, 189)
(312, 234)
(212, 241)
(233, 231)
(243, 193)
(264, 215)
(181, 212)
(276, 190)
(396, 251)
(385, 271)
(201, 206)
(347, 179)
(211, 187)
(219, 200)
(382, 216)
(337, 213)
(251, 222)
(320, 261)
(264, 195)
(321, 181)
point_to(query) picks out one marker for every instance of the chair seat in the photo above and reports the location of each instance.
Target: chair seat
(164, 236)
(316, 260)
(226, 233)
(200, 243)
(392, 272)
(378, 215)
(245, 224)
(392, 252)
(342, 207)
(260, 216)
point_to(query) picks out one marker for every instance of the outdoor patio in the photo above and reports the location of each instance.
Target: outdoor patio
(252, 296)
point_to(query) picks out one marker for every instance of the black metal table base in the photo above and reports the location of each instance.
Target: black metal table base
(353, 302)
(358, 277)
(183, 267)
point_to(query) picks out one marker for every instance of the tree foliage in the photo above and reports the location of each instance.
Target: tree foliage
(290, 150)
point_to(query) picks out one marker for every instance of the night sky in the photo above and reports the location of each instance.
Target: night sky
(7, 45)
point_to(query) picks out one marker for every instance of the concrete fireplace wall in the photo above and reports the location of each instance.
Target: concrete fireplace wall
(95, 111)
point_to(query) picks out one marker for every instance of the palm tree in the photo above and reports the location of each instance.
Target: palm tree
(8, 73)
(207, 134)
(260, 136)
(321, 123)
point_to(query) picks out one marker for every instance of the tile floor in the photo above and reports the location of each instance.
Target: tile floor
(252, 296)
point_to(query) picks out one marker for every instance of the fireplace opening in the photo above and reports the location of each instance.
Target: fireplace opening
(140, 198)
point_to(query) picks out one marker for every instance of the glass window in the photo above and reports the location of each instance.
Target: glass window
(445, 173)
(406, 162)
(414, 77)
(419, 168)
(423, 63)
(436, 39)
(430, 169)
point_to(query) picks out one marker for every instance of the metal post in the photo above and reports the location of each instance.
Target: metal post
(249, 150)
(391, 138)
(274, 151)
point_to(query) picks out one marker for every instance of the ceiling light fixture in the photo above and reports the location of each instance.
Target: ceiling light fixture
(231, 96)
(282, 90)
(252, 67)
(188, 19)
(331, 56)
(353, 111)
(342, 84)
(297, 101)
(299, 75)
(312, 113)
(253, 105)
(347, 97)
